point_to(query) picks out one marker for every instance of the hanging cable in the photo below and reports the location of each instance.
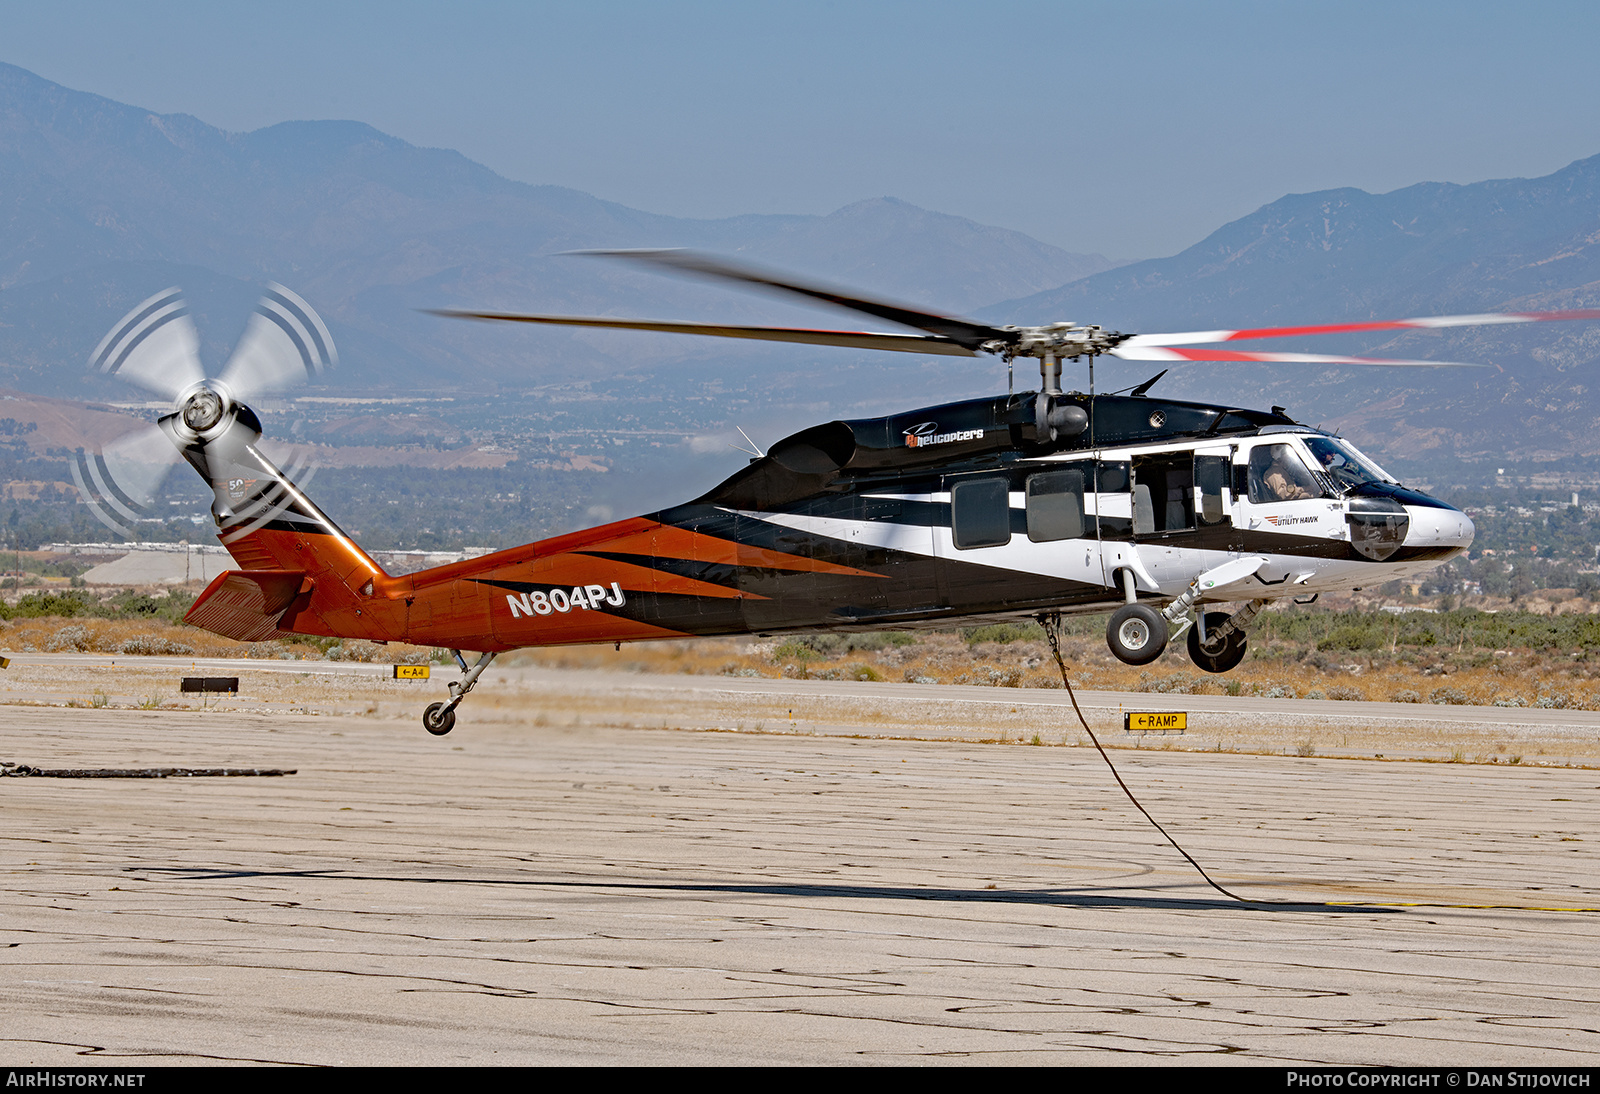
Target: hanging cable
(1051, 622)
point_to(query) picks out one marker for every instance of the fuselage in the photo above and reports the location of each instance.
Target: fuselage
(917, 519)
(958, 511)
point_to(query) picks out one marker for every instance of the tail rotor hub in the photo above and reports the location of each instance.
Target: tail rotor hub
(203, 409)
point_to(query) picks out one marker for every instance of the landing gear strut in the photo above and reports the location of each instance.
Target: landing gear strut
(440, 718)
(1138, 634)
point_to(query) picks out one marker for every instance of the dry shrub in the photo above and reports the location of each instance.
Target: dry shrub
(150, 637)
(151, 645)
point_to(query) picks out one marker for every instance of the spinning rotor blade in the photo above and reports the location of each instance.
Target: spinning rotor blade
(121, 481)
(153, 346)
(298, 462)
(905, 343)
(1433, 322)
(1168, 353)
(963, 332)
(1051, 343)
(285, 344)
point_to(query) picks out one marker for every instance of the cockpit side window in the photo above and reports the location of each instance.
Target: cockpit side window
(1277, 473)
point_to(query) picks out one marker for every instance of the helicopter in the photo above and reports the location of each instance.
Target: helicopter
(1020, 505)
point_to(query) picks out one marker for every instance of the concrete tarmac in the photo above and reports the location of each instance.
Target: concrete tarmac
(563, 880)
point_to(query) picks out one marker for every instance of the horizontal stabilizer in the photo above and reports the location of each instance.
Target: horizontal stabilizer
(247, 604)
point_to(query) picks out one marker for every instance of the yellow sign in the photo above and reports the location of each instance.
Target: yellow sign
(411, 672)
(1164, 721)
(5, 662)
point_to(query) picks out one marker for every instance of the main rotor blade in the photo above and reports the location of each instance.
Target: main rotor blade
(154, 346)
(1168, 353)
(963, 332)
(285, 344)
(904, 343)
(1432, 322)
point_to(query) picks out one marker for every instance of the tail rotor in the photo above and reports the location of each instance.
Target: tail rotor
(155, 347)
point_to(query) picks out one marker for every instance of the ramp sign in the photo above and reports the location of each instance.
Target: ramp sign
(1158, 721)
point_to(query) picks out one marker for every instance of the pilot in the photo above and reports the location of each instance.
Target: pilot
(1281, 480)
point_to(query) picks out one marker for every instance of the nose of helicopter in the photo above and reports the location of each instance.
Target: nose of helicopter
(1439, 525)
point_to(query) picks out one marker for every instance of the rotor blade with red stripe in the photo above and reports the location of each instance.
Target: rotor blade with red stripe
(1174, 353)
(1430, 322)
(902, 343)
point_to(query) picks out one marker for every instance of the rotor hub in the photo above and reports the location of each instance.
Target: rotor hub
(203, 410)
(1058, 340)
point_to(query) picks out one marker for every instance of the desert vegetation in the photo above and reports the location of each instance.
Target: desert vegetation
(1511, 659)
(1425, 652)
(137, 623)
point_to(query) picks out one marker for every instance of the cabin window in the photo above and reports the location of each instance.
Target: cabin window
(1113, 478)
(1210, 477)
(980, 511)
(1055, 504)
(1163, 493)
(1278, 474)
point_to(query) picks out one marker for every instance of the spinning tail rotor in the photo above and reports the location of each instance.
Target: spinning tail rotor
(155, 347)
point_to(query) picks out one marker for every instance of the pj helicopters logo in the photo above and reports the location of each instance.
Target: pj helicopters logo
(926, 433)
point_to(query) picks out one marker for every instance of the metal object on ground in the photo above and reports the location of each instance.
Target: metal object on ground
(24, 771)
(226, 685)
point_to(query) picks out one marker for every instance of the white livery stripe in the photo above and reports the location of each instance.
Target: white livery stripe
(1068, 559)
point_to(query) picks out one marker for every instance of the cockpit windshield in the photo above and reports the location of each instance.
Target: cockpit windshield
(1344, 464)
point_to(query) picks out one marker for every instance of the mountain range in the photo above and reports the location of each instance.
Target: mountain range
(103, 204)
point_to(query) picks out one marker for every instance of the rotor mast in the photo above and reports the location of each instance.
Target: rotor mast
(1050, 344)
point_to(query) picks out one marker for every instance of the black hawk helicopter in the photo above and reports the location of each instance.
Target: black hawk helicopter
(1051, 501)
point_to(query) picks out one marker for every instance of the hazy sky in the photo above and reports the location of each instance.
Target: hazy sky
(1129, 128)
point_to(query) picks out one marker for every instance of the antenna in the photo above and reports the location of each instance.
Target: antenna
(753, 449)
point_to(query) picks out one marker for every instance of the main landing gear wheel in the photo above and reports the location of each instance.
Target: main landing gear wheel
(439, 719)
(1136, 634)
(1217, 656)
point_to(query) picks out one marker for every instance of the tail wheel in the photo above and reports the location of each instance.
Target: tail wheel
(1136, 634)
(1217, 656)
(439, 719)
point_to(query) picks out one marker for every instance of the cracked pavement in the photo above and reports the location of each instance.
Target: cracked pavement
(553, 885)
